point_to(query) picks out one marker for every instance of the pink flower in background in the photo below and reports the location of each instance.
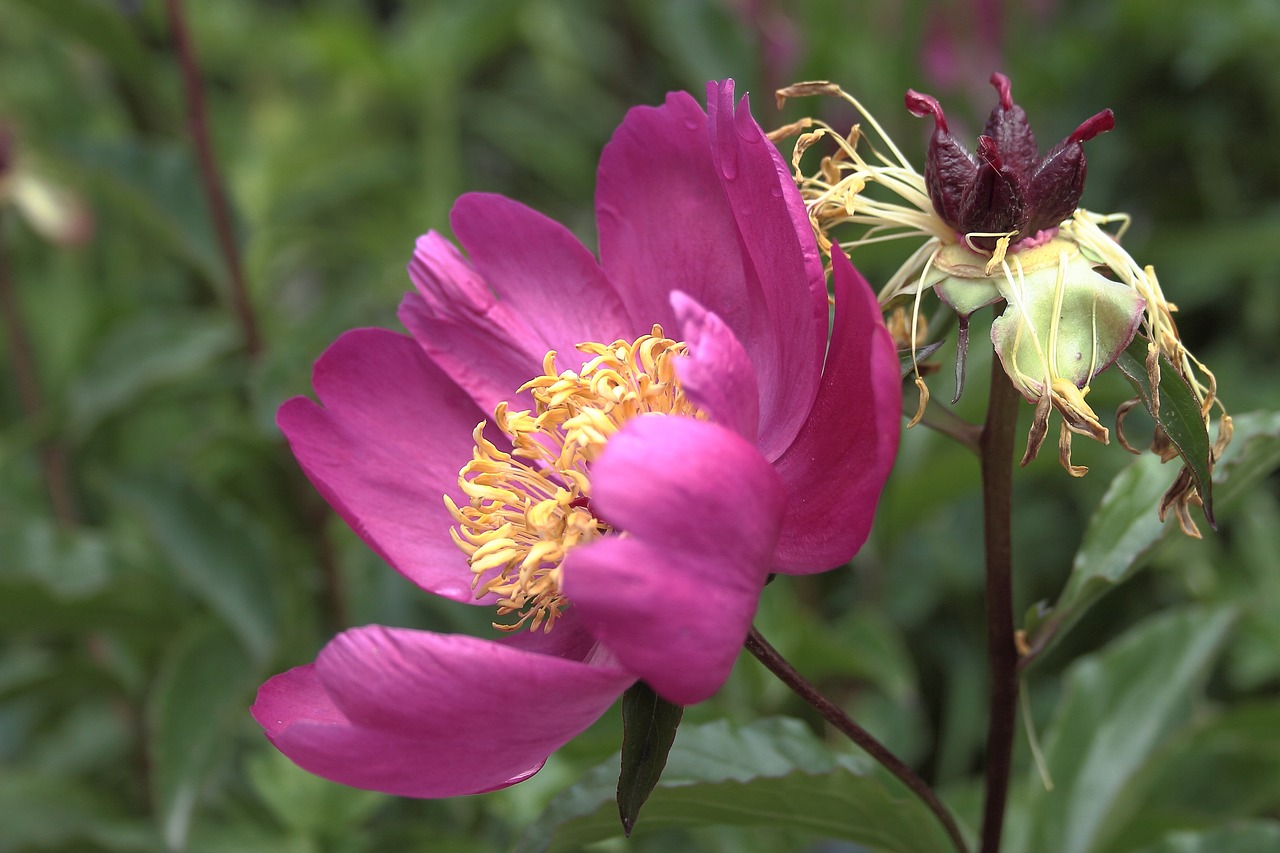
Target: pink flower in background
(626, 494)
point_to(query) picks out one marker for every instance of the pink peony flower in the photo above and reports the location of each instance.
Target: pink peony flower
(630, 500)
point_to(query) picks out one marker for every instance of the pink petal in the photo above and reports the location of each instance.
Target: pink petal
(419, 714)
(668, 186)
(538, 268)
(839, 462)
(662, 216)
(717, 375)
(783, 252)
(673, 598)
(480, 341)
(385, 447)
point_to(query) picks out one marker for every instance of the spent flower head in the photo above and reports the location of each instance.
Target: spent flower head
(1003, 224)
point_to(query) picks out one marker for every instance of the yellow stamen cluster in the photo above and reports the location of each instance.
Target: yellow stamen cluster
(529, 507)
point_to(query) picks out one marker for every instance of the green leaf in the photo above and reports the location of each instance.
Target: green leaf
(160, 185)
(308, 804)
(203, 686)
(217, 552)
(70, 564)
(649, 725)
(1253, 837)
(773, 773)
(1225, 767)
(1178, 415)
(101, 26)
(44, 812)
(1116, 709)
(150, 350)
(1125, 526)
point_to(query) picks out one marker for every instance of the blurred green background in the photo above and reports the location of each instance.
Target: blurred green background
(161, 555)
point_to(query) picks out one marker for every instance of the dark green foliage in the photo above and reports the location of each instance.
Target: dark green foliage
(161, 555)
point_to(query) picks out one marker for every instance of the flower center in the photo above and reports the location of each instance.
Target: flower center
(529, 507)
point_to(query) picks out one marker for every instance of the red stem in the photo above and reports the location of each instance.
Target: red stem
(215, 194)
(54, 458)
(996, 458)
(835, 715)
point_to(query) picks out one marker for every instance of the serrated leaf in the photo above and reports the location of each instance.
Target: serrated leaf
(1116, 709)
(204, 684)
(1125, 527)
(649, 725)
(773, 773)
(1178, 415)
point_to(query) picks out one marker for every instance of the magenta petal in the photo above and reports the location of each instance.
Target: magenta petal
(783, 256)
(478, 340)
(419, 714)
(839, 462)
(663, 220)
(670, 184)
(673, 598)
(538, 268)
(717, 375)
(385, 447)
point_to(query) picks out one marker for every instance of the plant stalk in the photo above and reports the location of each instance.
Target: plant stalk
(211, 177)
(835, 715)
(55, 465)
(995, 453)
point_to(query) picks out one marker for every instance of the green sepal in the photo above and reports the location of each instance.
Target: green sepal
(1094, 318)
(1177, 412)
(649, 725)
(907, 362)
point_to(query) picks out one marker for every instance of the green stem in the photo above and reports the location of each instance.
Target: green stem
(835, 715)
(995, 450)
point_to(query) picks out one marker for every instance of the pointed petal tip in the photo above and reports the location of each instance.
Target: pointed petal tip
(1092, 126)
(1005, 89)
(921, 105)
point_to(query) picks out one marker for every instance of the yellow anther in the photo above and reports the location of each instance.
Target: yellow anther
(529, 507)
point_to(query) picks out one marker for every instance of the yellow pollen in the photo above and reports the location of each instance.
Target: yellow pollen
(527, 508)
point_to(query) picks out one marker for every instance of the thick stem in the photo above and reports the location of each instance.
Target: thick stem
(832, 713)
(54, 458)
(996, 458)
(215, 194)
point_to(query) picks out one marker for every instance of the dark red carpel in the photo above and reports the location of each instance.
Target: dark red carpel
(1007, 186)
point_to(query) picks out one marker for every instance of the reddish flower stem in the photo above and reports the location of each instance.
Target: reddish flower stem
(242, 305)
(835, 715)
(995, 448)
(54, 458)
(215, 194)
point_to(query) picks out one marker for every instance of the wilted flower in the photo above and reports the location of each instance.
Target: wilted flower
(623, 494)
(1004, 225)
